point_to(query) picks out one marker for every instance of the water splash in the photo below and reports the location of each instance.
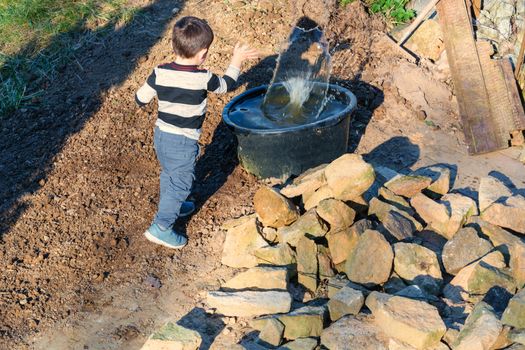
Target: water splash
(297, 93)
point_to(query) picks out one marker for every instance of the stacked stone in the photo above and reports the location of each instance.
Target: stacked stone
(352, 257)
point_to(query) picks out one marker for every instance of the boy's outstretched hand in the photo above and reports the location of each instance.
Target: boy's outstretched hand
(242, 52)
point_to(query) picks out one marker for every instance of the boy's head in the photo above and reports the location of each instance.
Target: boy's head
(192, 37)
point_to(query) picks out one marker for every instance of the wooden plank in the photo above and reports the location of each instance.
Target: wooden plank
(481, 133)
(518, 113)
(500, 107)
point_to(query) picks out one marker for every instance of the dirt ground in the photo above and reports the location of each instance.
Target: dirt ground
(80, 177)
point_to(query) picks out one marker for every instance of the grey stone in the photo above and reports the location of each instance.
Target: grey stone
(371, 260)
(173, 336)
(418, 265)
(279, 255)
(347, 301)
(260, 277)
(307, 321)
(353, 333)
(272, 333)
(307, 264)
(514, 315)
(491, 190)
(464, 248)
(250, 303)
(408, 185)
(309, 223)
(481, 329)
(300, 344)
(509, 214)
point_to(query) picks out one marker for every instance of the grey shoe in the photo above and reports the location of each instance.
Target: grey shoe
(168, 237)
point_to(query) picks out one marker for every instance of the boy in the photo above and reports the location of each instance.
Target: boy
(181, 88)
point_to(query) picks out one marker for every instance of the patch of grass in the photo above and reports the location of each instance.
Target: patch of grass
(345, 2)
(37, 36)
(394, 10)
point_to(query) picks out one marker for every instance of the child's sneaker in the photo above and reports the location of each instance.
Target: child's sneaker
(168, 237)
(187, 208)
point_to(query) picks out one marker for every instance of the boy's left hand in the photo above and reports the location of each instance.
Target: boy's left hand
(242, 52)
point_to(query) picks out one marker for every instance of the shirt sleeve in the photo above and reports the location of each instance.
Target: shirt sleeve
(147, 92)
(226, 83)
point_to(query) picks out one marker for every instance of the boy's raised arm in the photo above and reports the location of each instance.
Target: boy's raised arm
(220, 85)
(147, 92)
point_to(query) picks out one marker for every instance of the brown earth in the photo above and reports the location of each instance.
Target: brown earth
(80, 177)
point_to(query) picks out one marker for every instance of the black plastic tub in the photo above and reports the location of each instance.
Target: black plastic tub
(285, 151)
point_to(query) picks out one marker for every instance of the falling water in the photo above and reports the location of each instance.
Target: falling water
(297, 93)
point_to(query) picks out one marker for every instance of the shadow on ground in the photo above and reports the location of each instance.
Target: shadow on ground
(31, 137)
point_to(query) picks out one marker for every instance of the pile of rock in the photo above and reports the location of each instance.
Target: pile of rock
(352, 257)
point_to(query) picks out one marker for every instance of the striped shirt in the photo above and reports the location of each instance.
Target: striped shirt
(182, 91)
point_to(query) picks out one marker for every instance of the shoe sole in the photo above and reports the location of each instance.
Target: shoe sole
(155, 240)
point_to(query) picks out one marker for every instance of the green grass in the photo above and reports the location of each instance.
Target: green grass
(37, 36)
(393, 10)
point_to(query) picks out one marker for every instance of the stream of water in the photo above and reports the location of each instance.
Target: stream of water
(297, 92)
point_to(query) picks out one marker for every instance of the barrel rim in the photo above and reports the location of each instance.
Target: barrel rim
(326, 122)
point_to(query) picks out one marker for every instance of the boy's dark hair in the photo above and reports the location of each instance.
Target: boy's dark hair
(190, 35)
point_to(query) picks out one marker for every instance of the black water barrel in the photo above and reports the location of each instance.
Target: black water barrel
(283, 152)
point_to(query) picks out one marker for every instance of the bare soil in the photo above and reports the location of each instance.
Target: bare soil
(80, 177)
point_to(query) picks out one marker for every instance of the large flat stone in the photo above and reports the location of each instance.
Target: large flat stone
(250, 303)
(274, 209)
(260, 277)
(410, 321)
(371, 260)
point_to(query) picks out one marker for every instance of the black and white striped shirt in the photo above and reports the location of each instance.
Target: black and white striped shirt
(182, 92)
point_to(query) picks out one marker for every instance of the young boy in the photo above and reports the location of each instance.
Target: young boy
(181, 88)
